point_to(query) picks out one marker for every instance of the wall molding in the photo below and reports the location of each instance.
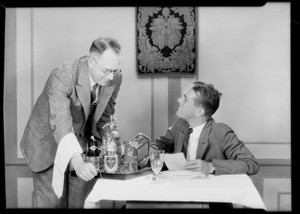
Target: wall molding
(270, 150)
(274, 162)
(271, 190)
(25, 192)
(281, 206)
(266, 143)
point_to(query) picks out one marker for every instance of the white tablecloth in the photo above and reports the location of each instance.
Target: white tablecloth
(236, 189)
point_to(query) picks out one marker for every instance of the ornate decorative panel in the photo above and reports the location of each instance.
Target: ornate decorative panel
(166, 41)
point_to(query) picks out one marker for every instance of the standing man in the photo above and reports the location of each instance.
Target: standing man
(77, 100)
(209, 147)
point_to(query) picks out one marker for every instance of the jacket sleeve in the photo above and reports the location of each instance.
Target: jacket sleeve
(58, 89)
(239, 159)
(167, 141)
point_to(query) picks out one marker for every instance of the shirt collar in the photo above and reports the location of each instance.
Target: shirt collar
(198, 128)
(92, 82)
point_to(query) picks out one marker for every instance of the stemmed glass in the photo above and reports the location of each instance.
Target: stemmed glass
(156, 159)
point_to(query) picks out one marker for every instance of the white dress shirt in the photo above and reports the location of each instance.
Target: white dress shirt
(193, 142)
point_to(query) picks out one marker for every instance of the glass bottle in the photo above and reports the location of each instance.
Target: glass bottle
(111, 156)
(117, 139)
(115, 135)
(130, 163)
(103, 145)
(92, 154)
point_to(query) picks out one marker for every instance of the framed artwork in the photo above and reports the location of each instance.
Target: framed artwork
(166, 41)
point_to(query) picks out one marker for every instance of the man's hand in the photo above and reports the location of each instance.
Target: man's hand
(85, 171)
(200, 165)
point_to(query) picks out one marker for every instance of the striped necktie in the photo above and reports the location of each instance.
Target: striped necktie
(93, 94)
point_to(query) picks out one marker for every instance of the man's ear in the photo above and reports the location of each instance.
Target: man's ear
(200, 112)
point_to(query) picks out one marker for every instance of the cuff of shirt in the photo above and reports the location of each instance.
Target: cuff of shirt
(213, 167)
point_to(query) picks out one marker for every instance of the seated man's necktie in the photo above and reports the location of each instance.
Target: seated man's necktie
(186, 142)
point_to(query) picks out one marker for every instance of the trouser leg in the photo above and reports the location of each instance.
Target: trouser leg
(79, 191)
(44, 194)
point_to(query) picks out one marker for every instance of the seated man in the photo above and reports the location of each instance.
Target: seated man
(209, 147)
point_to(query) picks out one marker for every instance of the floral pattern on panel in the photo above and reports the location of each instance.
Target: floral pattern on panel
(166, 40)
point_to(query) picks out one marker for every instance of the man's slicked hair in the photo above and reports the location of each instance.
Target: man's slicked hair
(206, 96)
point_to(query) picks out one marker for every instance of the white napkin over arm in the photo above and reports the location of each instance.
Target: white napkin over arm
(67, 147)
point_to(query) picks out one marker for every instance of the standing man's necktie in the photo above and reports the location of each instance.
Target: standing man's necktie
(186, 142)
(93, 97)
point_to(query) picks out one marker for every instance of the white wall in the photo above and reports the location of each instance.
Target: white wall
(69, 34)
(243, 51)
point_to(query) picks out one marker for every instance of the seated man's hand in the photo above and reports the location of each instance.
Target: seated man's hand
(85, 171)
(200, 165)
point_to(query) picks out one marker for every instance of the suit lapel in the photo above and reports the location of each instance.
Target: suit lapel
(203, 143)
(83, 88)
(181, 137)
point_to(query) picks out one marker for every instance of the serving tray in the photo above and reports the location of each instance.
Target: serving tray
(121, 176)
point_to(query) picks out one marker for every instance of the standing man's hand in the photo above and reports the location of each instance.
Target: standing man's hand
(85, 171)
(200, 165)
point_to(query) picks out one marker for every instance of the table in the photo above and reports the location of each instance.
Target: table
(235, 189)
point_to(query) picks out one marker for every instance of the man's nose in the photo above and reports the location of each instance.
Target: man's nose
(179, 100)
(110, 76)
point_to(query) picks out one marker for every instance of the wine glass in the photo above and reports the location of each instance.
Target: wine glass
(156, 159)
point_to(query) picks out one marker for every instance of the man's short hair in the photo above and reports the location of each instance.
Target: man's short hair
(206, 96)
(101, 44)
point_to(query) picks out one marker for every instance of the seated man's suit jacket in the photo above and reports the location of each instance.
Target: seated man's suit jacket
(217, 144)
(62, 108)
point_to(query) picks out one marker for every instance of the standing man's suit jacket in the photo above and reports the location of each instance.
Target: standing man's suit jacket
(217, 143)
(63, 107)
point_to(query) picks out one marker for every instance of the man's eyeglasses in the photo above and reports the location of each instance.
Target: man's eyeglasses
(107, 71)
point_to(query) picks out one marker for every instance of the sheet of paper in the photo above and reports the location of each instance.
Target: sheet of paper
(175, 161)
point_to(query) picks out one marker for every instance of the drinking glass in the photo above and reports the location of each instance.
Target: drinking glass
(156, 157)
